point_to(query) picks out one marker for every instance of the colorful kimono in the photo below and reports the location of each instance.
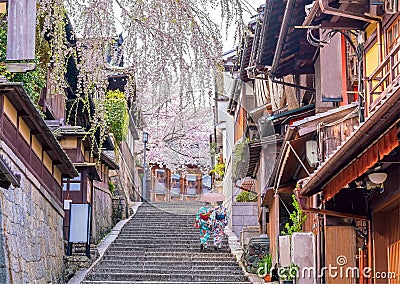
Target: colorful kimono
(203, 218)
(220, 220)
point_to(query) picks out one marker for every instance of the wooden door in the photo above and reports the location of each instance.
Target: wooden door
(393, 226)
(340, 252)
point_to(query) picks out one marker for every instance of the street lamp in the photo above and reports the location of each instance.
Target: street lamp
(145, 139)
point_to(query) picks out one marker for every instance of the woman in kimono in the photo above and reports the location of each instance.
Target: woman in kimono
(204, 222)
(220, 220)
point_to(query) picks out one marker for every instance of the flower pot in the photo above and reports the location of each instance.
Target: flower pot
(267, 278)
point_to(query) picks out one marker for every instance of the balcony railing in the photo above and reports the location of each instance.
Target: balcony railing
(382, 80)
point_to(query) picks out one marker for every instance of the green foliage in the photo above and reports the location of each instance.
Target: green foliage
(219, 171)
(34, 81)
(288, 273)
(264, 266)
(117, 114)
(111, 186)
(238, 153)
(297, 218)
(246, 196)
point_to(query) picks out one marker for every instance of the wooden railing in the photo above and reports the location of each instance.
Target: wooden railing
(384, 77)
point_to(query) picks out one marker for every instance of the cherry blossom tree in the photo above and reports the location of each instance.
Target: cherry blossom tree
(172, 50)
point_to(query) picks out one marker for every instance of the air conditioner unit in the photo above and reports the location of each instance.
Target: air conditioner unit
(391, 6)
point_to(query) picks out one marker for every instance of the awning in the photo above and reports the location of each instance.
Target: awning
(270, 31)
(378, 134)
(293, 166)
(254, 158)
(293, 54)
(362, 164)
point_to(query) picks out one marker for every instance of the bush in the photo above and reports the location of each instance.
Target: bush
(246, 196)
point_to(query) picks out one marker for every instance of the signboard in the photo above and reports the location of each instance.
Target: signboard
(79, 224)
(21, 29)
(67, 204)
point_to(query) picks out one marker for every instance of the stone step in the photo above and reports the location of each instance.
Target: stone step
(133, 264)
(159, 241)
(164, 246)
(160, 229)
(143, 249)
(160, 245)
(156, 238)
(169, 270)
(186, 277)
(208, 253)
(162, 258)
(155, 282)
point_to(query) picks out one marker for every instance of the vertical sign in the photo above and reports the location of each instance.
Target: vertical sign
(21, 29)
(79, 226)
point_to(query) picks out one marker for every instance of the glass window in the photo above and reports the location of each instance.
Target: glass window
(64, 186)
(390, 37)
(392, 34)
(73, 186)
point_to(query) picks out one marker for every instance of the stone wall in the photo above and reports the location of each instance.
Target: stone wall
(31, 237)
(102, 214)
(243, 214)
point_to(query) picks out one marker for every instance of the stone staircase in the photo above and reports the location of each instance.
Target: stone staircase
(160, 245)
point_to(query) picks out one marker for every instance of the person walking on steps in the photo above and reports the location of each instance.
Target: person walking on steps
(220, 220)
(204, 222)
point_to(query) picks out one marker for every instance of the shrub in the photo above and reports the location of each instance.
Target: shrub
(246, 196)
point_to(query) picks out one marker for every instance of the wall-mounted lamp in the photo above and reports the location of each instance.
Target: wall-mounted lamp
(377, 178)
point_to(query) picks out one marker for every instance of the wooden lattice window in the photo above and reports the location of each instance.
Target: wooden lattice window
(392, 34)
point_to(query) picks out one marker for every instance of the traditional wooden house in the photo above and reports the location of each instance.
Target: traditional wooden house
(355, 189)
(182, 185)
(94, 165)
(313, 108)
(33, 166)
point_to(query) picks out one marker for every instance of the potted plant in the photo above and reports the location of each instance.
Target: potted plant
(264, 267)
(288, 273)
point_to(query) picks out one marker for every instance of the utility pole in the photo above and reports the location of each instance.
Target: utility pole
(145, 138)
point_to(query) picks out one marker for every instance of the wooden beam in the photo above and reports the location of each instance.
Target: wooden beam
(342, 25)
(20, 67)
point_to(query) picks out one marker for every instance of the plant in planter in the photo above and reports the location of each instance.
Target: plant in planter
(288, 273)
(297, 218)
(246, 196)
(264, 267)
